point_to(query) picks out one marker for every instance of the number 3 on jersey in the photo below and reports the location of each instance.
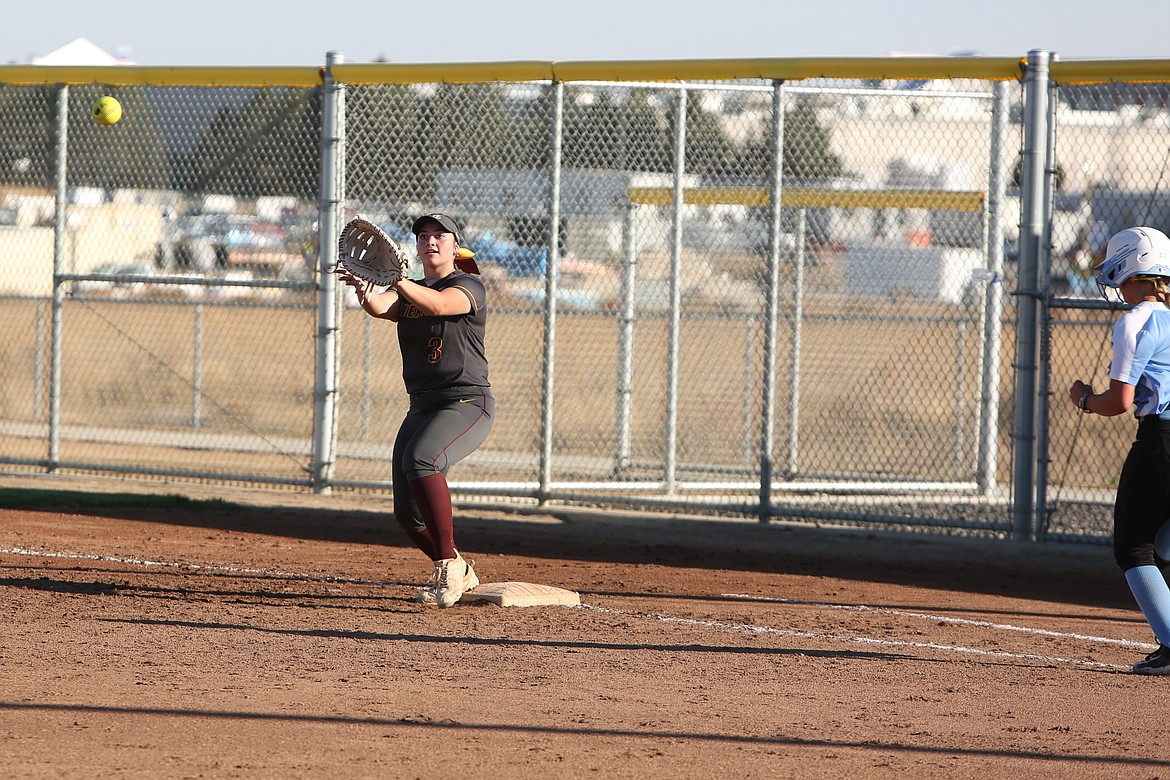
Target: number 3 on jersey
(436, 353)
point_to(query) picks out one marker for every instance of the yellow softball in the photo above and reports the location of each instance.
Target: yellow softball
(107, 111)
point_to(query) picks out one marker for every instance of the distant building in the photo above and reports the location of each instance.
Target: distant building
(81, 51)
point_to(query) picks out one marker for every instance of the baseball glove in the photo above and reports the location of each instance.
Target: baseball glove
(368, 253)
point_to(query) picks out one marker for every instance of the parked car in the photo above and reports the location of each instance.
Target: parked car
(209, 242)
(510, 257)
(115, 288)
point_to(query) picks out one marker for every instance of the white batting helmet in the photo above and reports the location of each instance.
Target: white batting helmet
(1136, 251)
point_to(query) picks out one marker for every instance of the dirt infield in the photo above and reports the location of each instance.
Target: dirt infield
(277, 639)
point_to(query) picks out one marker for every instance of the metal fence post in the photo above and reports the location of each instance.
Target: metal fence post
(678, 199)
(1033, 213)
(552, 268)
(1044, 276)
(993, 300)
(329, 208)
(772, 305)
(625, 361)
(792, 462)
(61, 184)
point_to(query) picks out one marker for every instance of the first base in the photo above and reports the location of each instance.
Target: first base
(521, 594)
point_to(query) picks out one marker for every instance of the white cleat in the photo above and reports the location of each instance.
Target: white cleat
(451, 578)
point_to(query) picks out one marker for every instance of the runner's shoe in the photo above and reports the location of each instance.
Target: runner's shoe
(1157, 662)
(453, 577)
(427, 595)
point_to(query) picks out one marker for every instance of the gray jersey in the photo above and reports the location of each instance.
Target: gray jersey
(442, 352)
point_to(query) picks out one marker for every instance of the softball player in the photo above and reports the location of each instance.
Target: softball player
(441, 322)
(1137, 264)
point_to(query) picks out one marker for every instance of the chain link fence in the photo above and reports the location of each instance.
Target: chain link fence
(778, 289)
(1111, 170)
(160, 279)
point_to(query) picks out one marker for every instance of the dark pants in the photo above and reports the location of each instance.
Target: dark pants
(442, 428)
(1143, 495)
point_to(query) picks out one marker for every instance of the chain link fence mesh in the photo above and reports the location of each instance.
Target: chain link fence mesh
(880, 367)
(174, 358)
(659, 346)
(1111, 171)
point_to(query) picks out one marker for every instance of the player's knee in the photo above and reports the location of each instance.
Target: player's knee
(419, 466)
(1137, 555)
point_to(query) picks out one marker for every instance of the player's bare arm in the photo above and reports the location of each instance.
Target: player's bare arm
(434, 303)
(1118, 399)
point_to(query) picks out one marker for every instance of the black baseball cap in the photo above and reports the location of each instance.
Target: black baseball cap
(446, 222)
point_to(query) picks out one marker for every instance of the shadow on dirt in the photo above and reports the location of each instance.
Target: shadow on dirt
(1058, 572)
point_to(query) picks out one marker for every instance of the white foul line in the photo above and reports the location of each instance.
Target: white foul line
(945, 619)
(857, 639)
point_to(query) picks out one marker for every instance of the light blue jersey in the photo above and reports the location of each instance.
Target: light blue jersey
(1141, 357)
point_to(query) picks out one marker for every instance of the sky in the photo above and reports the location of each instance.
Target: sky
(300, 32)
